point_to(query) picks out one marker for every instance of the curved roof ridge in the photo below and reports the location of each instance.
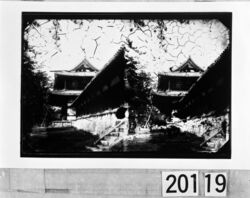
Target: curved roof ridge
(84, 62)
(118, 52)
(193, 64)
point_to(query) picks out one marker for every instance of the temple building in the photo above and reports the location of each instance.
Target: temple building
(102, 108)
(206, 108)
(105, 99)
(68, 84)
(172, 86)
(212, 93)
(107, 90)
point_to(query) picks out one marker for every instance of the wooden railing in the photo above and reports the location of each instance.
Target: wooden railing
(61, 123)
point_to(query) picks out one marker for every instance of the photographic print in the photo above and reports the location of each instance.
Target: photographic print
(154, 85)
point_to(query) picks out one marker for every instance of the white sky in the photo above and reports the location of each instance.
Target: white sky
(98, 40)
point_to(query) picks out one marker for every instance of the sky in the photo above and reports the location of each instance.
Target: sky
(62, 44)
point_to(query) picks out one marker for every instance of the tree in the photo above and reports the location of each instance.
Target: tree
(34, 94)
(139, 97)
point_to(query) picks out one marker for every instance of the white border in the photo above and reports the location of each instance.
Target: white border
(10, 57)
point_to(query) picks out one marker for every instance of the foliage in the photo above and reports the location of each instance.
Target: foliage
(140, 98)
(34, 94)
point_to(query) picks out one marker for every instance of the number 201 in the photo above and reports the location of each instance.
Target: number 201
(180, 183)
(181, 188)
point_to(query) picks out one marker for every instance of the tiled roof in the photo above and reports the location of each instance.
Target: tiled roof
(84, 64)
(191, 63)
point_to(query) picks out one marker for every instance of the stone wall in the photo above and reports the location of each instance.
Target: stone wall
(206, 124)
(215, 130)
(99, 122)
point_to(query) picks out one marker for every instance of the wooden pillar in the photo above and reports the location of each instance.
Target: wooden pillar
(131, 121)
(169, 84)
(64, 111)
(65, 84)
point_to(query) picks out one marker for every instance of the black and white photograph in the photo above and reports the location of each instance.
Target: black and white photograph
(134, 85)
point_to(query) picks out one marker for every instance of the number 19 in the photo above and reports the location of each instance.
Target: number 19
(215, 184)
